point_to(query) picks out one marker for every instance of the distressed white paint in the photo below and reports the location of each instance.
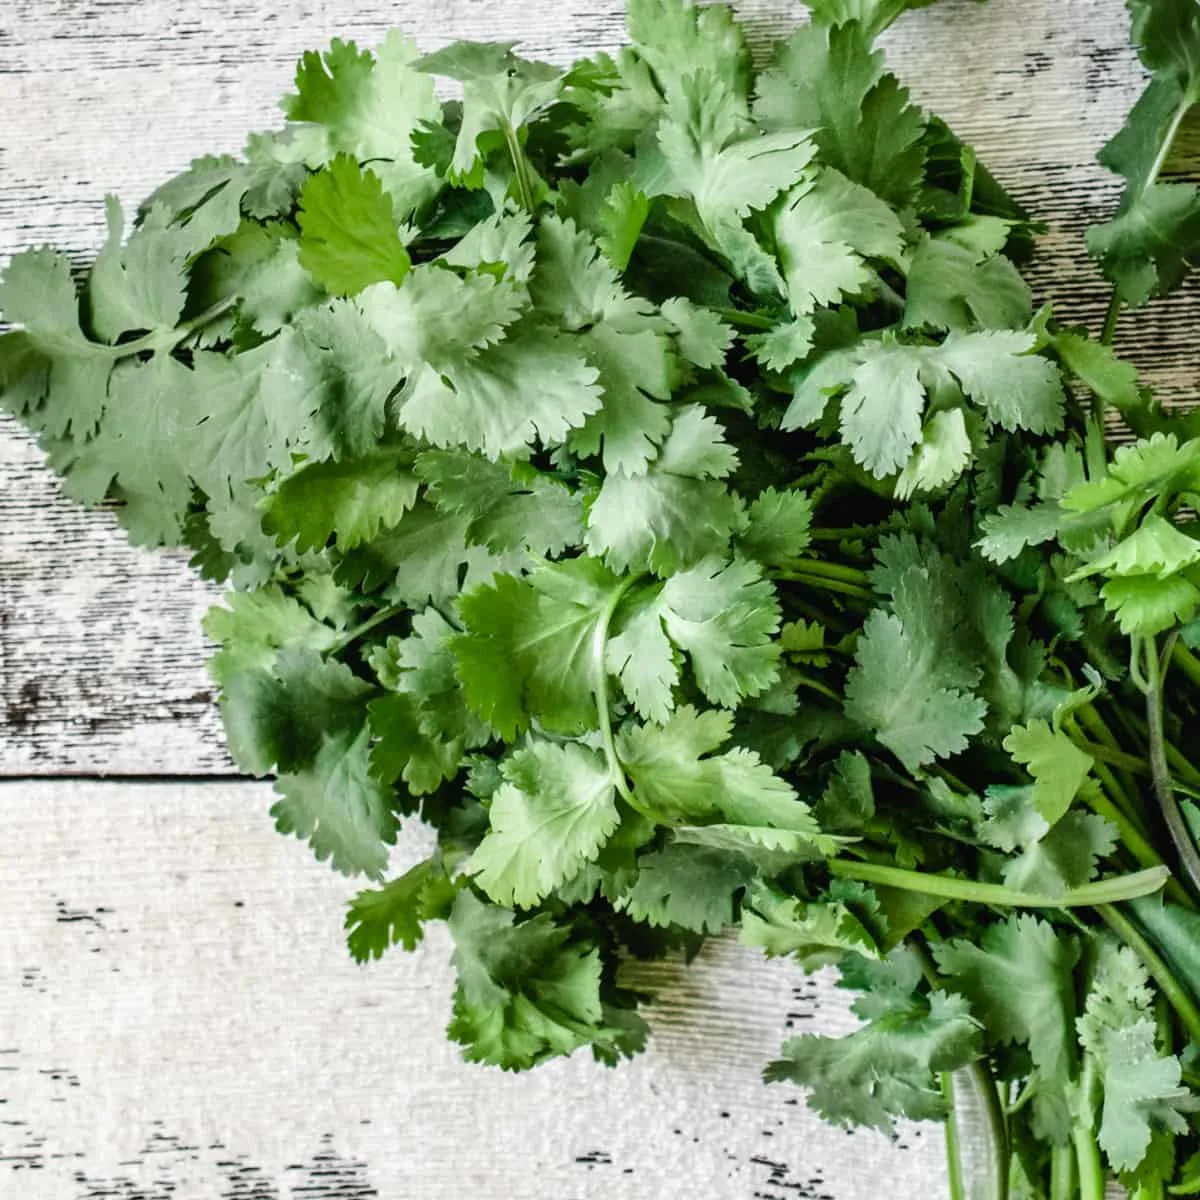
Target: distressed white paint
(172, 974)
(188, 1021)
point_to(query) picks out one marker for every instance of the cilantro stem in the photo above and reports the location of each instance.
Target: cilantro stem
(1186, 661)
(1184, 1006)
(358, 631)
(164, 340)
(954, 1167)
(746, 320)
(825, 583)
(832, 570)
(1117, 758)
(1160, 771)
(1062, 1173)
(1092, 1182)
(520, 168)
(952, 887)
(1109, 332)
(600, 691)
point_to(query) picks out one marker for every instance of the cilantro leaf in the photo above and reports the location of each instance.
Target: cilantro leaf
(528, 991)
(888, 1069)
(348, 235)
(378, 918)
(551, 816)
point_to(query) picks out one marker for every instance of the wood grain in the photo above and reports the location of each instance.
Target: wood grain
(179, 1018)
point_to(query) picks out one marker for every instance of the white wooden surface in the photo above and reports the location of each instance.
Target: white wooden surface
(177, 1015)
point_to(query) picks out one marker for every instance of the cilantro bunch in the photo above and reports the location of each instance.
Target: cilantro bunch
(656, 478)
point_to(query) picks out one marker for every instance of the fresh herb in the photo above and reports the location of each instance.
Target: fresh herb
(655, 476)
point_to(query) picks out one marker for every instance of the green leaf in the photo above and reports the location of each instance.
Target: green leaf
(140, 285)
(832, 81)
(911, 684)
(348, 236)
(369, 106)
(825, 231)
(690, 888)
(510, 506)
(1019, 984)
(942, 456)
(952, 287)
(889, 1068)
(1057, 765)
(722, 615)
(818, 933)
(335, 803)
(550, 817)
(527, 991)
(1142, 1089)
(349, 501)
(679, 779)
(252, 627)
(279, 716)
(675, 514)
(501, 92)
(528, 647)
(379, 918)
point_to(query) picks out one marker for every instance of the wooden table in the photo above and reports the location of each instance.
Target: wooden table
(178, 1017)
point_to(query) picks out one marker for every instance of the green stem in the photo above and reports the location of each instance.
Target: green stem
(1109, 332)
(1062, 1173)
(520, 168)
(815, 685)
(746, 320)
(358, 631)
(1094, 723)
(600, 691)
(1118, 758)
(1093, 1184)
(831, 570)
(951, 887)
(1186, 661)
(166, 340)
(954, 1168)
(1160, 771)
(997, 1126)
(1178, 997)
(826, 584)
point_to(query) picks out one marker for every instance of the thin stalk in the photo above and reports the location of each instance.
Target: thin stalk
(520, 168)
(600, 692)
(986, 1090)
(359, 631)
(1186, 661)
(1104, 891)
(997, 1126)
(1178, 997)
(824, 583)
(832, 570)
(168, 340)
(746, 320)
(1160, 771)
(1131, 838)
(1062, 1173)
(954, 1167)
(815, 685)
(1089, 717)
(1109, 332)
(1093, 1184)
(1117, 758)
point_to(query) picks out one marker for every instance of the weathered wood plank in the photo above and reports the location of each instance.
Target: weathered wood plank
(100, 651)
(179, 1018)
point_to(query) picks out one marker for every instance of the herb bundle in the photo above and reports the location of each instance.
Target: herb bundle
(655, 477)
